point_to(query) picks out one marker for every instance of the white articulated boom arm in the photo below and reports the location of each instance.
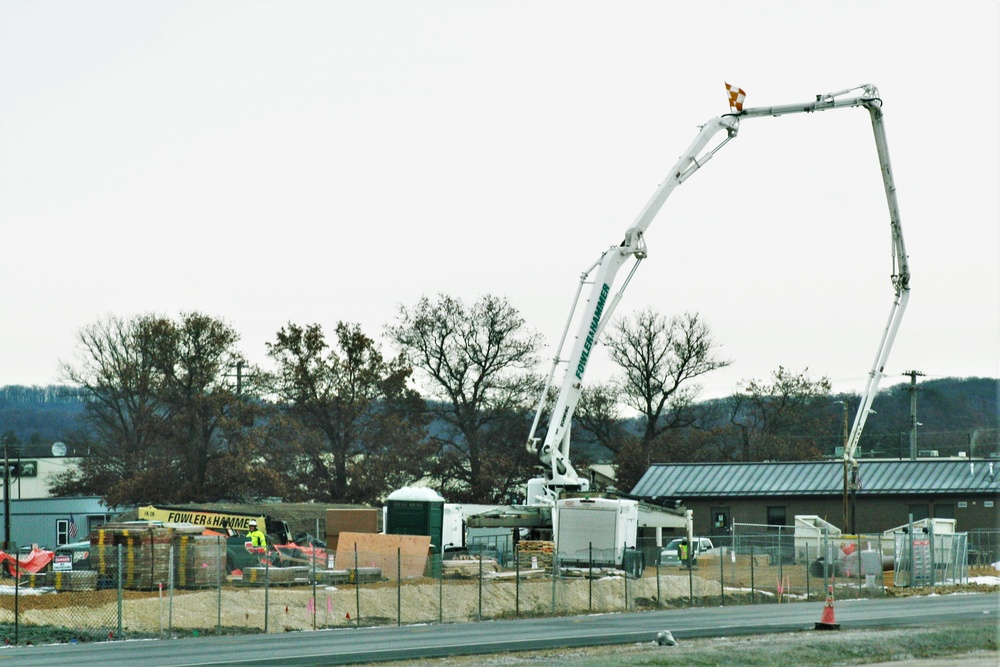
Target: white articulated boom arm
(600, 305)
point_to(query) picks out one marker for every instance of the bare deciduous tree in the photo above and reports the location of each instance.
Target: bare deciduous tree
(369, 421)
(780, 420)
(659, 359)
(476, 363)
(158, 410)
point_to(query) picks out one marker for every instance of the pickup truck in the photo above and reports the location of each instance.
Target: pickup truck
(670, 555)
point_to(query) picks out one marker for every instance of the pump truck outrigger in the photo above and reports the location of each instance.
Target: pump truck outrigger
(553, 451)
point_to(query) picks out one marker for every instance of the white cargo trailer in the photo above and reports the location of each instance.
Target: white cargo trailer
(595, 530)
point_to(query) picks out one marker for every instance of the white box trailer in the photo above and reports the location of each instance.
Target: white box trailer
(812, 534)
(595, 530)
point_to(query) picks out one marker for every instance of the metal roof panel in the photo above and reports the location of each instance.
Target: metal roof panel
(816, 478)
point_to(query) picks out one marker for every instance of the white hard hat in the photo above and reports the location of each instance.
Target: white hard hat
(253, 522)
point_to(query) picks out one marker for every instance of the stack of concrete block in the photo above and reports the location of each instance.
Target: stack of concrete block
(199, 560)
(331, 577)
(275, 576)
(73, 580)
(146, 552)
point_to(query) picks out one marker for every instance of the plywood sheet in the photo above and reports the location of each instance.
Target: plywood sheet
(341, 520)
(381, 551)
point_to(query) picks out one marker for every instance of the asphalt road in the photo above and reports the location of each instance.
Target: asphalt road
(357, 646)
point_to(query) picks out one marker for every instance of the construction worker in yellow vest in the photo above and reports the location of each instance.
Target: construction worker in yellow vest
(682, 552)
(255, 536)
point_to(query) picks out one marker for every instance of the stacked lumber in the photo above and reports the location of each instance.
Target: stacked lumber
(535, 554)
(468, 568)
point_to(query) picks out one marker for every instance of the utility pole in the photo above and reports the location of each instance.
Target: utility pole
(6, 498)
(913, 412)
(847, 515)
(7, 441)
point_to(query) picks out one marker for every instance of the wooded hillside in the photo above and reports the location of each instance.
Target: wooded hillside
(954, 412)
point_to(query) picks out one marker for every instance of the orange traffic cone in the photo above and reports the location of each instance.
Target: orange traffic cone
(826, 621)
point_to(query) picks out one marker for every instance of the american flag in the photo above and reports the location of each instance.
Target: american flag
(72, 526)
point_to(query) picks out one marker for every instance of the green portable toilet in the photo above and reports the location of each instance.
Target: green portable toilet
(417, 511)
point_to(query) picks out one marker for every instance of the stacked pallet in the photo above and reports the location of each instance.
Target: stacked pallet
(535, 554)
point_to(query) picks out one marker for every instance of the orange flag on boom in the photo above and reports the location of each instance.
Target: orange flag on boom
(736, 97)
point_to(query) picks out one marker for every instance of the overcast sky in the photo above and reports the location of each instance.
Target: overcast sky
(313, 162)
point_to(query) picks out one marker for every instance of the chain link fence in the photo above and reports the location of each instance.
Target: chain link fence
(984, 547)
(147, 586)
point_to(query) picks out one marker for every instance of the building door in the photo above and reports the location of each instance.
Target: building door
(720, 521)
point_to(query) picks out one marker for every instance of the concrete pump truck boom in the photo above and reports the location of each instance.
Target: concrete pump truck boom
(553, 450)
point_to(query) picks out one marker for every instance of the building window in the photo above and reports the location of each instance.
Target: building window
(776, 515)
(919, 512)
(95, 521)
(944, 511)
(62, 532)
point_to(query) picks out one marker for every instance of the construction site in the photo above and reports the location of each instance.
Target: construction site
(569, 548)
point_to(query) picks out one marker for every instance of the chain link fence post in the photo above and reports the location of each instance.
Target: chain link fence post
(120, 606)
(314, 557)
(267, 592)
(479, 614)
(590, 578)
(170, 589)
(357, 589)
(555, 570)
(219, 569)
(517, 581)
(690, 577)
(807, 571)
(722, 575)
(659, 595)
